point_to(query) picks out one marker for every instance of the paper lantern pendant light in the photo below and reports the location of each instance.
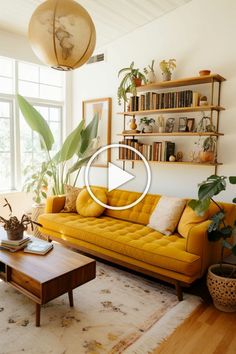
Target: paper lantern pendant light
(62, 34)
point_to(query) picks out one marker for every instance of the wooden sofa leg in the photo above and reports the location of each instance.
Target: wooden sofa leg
(179, 292)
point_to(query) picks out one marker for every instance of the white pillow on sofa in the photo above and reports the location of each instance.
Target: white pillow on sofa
(166, 215)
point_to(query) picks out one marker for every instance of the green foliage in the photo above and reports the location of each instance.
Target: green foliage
(37, 179)
(209, 144)
(78, 147)
(168, 65)
(127, 84)
(36, 122)
(217, 230)
(147, 121)
(150, 68)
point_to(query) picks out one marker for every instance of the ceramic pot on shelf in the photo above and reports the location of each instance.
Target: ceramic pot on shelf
(147, 129)
(166, 76)
(207, 156)
(151, 77)
(137, 82)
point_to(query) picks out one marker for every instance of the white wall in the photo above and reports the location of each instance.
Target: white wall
(200, 35)
(17, 47)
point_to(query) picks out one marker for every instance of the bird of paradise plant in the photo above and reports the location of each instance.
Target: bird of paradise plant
(75, 152)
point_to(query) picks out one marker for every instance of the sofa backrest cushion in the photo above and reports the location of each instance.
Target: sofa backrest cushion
(139, 214)
(189, 218)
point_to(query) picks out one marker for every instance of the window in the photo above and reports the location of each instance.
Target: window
(19, 146)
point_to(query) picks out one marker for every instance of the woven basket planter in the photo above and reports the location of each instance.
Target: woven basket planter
(222, 289)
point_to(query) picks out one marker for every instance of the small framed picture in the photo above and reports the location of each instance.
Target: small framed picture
(170, 124)
(183, 124)
(190, 124)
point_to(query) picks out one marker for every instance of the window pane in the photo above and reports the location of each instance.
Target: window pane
(55, 114)
(5, 171)
(28, 72)
(4, 109)
(6, 85)
(6, 67)
(5, 144)
(28, 89)
(51, 76)
(56, 132)
(44, 111)
(50, 92)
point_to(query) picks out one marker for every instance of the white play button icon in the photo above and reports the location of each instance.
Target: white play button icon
(117, 177)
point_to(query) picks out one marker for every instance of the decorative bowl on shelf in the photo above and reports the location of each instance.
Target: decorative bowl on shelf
(204, 72)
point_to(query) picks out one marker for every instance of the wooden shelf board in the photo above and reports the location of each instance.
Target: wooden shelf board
(173, 134)
(174, 110)
(198, 80)
(177, 162)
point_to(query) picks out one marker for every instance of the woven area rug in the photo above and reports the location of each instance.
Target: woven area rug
(118, 312)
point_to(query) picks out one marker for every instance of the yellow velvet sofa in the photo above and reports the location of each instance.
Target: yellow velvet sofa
(122, 237)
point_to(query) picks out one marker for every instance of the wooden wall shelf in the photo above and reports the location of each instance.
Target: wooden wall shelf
(198, 80)
(188, 134)
(176, 162)
(174, 110)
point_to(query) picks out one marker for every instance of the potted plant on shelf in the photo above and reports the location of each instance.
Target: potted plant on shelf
(167, 67)
(149, 72)
(14, 227)
(208, 153)
(221, 279)
(147, 122)
(131, 80)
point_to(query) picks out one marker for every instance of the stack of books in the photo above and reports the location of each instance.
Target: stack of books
(14, 245)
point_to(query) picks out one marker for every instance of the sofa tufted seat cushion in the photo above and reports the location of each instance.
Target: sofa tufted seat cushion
(133, 240)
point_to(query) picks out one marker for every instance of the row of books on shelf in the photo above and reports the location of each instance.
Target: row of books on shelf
(157, 151)
(153, 100)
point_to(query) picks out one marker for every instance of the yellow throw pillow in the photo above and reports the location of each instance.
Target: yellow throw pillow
(189, 219)
(166, 214)
(71, 196)
(86, 206)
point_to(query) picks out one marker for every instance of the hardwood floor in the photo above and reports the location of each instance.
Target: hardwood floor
(206, 331)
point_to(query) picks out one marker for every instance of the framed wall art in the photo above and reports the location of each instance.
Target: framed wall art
(103, 107)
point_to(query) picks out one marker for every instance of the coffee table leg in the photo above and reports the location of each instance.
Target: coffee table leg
(38, 308)
(70, 294)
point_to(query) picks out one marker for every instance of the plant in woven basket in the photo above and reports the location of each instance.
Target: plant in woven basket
(221, 278)
(15, 227)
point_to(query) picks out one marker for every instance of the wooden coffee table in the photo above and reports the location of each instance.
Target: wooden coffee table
(44, 278)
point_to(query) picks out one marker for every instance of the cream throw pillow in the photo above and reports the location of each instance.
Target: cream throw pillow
(71, 196)
(166, 215)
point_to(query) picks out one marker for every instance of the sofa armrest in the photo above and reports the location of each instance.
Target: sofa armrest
(55, 204)
(198, 244)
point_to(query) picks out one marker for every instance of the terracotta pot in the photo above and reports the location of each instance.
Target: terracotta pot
(207, 156)
(137, 82)
(222, 289)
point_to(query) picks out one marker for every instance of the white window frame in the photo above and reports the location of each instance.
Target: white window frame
(64, 105)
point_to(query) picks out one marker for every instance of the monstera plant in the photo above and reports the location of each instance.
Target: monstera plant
(75, 152)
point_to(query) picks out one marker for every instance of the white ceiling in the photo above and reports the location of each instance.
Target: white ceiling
(112, 18)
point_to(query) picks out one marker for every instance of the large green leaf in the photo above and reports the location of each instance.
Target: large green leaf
(232, 179)
(36, 122)
(88, 134)
(78, 164)
(200, 206)
(70, 145)
(211, 187)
